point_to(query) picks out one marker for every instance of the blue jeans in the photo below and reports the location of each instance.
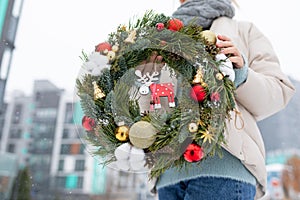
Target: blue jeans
(208, 188)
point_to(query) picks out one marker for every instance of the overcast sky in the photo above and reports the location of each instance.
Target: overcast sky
(52, 33)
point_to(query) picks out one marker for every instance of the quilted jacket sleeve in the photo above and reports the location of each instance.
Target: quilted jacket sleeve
(267, 89)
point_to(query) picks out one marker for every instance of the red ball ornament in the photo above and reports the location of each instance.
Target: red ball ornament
(103, 47)
(175, 24)
(198, 93)
(160, 26)
(193, 153)
(88, 123)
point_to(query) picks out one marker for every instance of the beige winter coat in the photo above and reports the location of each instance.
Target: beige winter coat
(266, 91)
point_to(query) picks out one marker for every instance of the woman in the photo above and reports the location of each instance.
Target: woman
(262, 90)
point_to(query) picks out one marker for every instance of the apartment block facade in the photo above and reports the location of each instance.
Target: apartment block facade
(44, 131)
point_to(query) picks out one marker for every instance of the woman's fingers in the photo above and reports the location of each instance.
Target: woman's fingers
(223, 38)
(153, 64)
(231, 51)
(228, 48)
(155, 58)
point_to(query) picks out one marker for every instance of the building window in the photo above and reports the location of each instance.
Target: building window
(69, 113)
(4, 183)
(65, 133)
(46, 113)
(11, 148)
(15, 133)
(43, 146)
(79, 165)
(61, 165)
(73, 149)
(123, 179)
(80, 182)
(60, 181)
(1, 125)
(6, 62)
(69, 133)
(17, 114)
(81, 149)
(17, 8)
(65, 149)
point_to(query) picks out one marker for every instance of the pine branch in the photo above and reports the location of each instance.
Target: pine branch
(88, 106)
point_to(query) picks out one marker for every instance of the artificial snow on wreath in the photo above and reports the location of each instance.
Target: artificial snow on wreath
(184, 120)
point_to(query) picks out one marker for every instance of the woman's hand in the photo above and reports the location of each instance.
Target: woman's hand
(153, 64)
(228, 48)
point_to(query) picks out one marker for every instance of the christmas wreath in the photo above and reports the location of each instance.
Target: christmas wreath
(189, 129)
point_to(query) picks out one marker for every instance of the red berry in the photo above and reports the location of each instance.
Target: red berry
(160, 26)
(198, 93)
(215, 96)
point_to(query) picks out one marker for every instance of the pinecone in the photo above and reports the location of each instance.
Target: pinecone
(212, 49)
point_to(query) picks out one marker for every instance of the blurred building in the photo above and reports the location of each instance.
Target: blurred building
(43, 119)
(16, 128)
(43, 131)
(10, 11)
(2, 120)
(8, 173)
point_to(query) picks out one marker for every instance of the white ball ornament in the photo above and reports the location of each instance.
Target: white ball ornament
(123, 165)
(122, 152)
(137, 154)
(129, 158)
(137, 165)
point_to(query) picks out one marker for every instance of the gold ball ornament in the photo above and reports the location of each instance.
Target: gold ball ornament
(193, 127)
(142, 134)
(209, 36)
(219, 76)
(122, 133)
